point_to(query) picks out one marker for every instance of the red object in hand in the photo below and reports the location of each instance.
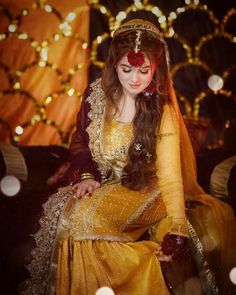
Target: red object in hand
(176, 246)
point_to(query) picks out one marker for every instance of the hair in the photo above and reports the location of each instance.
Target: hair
(139, 169)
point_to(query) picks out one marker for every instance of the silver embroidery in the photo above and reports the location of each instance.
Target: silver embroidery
(208, 279)
(39, 266)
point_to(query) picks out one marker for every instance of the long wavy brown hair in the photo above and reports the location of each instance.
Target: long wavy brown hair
(140, 168)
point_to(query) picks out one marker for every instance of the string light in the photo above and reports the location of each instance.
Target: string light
(12, 28)
(99, 39)
(71, 91)
(71, 16)
(16, 85)
(2, 36)
(166, 22)
(19, 130)
(156, 11)
(23, 36)
(121, 15)
(48, 8)
(103, 10)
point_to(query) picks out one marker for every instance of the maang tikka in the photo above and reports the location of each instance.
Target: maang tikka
(136, 57)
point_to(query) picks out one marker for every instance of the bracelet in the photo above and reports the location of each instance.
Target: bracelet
(84, 176)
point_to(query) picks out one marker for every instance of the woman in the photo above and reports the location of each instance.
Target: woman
(130, 156)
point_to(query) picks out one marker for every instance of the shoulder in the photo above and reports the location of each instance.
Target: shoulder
(169, 122)
(94, 91)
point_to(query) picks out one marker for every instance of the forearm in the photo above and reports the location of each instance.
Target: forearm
(170, 176)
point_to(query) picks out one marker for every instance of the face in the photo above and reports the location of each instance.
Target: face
(135, 79)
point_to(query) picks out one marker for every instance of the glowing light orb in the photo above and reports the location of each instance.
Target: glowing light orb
(10, 185)
(232, 275)
(105, 291)
(215, 82)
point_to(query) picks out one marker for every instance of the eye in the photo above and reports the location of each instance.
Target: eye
(126, 70)
(144, 70)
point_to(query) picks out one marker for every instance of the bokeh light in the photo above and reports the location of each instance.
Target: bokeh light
(10, 185)
(105, 291)
(215, 82)
(232, 275)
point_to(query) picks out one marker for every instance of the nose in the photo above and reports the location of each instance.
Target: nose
(135, 76)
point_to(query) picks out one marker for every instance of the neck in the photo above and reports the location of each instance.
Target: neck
(126, 108)
(128, 96)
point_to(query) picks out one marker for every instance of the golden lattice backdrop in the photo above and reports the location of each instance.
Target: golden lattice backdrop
(46, 50)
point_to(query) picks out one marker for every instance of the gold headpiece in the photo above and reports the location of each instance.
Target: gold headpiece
(140, 25)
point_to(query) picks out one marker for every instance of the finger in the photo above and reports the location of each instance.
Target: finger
(74, 187)
(90, 189)
(164, 258)
(158, 247)
(97, 185)
(78, 194)
(82, 191)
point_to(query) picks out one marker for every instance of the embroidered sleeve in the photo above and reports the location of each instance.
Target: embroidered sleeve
(80, 155)
(170, 177)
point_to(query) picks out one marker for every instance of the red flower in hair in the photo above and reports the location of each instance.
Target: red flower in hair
(135, 59)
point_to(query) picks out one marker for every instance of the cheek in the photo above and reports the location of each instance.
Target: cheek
(122, 76)
(147, 80)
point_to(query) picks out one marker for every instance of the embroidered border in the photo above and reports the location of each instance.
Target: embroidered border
(141, 209)
(209, 284)
(98, 237)
(39, 267)
(97, 116)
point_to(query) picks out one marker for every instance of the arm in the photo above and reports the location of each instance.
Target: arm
(81, 162)
(173, 230)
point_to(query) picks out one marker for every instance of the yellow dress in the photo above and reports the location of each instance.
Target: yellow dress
(83, 245)
(97, 237)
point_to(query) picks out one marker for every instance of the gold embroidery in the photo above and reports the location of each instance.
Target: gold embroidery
(115, 143)
(96, 115)
(102, 237)
(166, 134)
(79, 223)
(141, 209)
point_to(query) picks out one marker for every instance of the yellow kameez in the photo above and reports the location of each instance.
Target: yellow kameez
(97, 237)
(96, 241)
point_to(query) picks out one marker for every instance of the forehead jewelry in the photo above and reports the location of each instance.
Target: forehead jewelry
(136, 56)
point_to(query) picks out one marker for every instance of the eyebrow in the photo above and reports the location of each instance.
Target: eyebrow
(143, 67)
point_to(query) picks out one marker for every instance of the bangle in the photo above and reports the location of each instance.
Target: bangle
(84, 176)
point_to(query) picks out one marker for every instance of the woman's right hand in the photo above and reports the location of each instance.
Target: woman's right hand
(84, 187)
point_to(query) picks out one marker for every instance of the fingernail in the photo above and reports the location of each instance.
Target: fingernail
(90, 194)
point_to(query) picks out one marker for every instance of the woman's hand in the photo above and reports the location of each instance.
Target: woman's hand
(84, 187)
(161, 256)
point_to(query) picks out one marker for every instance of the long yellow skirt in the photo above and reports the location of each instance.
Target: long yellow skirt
(128, 268)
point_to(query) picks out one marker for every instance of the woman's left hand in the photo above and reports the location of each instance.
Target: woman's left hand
(162, 257)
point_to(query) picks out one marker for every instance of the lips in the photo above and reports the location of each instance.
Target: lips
(134, 85)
